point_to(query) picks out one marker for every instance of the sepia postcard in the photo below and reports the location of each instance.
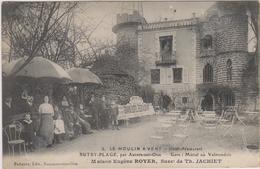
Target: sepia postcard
(130, 84)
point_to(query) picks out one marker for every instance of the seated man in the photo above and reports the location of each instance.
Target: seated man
(86, 128)
(72, 123)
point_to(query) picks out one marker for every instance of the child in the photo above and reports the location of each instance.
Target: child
(28, 133)
(114, 115)
(59, 129)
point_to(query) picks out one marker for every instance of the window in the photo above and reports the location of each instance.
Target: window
(229, 70)
(177, 75)
(208, 74)
(166, 48)
(155, 76)
(206, 42)
(229, 99)
(184, 100)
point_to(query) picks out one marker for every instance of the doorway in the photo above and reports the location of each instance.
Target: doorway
(207, 103)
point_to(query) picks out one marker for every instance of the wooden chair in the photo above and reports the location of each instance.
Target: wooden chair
(209, 120)
(227, 127)
(13, 132)
(222, 119)
(227, 121)
(183, 118)
(198, 119)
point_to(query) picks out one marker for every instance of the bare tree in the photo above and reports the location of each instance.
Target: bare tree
(31, 25)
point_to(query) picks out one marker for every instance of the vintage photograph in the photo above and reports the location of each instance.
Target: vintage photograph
(130, 84)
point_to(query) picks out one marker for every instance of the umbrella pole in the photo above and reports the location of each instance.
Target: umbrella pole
(81, 94)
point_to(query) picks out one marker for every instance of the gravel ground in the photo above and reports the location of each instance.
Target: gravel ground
(139, 133)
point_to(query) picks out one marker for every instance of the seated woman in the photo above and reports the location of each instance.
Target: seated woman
(28, 133)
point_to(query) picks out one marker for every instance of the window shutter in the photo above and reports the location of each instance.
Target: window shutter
(185, 75)
(169, 76)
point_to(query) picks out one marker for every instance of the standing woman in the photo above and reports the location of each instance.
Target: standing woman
(47, 126)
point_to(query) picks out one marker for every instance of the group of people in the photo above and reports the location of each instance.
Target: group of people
(103, 113)
(56, 123)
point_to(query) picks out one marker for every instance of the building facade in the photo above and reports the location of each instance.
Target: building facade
(198, 62)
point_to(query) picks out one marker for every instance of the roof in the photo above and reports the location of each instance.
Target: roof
(168, 24)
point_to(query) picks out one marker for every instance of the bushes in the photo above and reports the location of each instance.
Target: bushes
(146, 92)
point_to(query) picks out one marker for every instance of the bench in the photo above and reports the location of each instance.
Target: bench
(135, 108)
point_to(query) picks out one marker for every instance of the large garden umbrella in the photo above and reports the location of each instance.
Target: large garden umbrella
(83, 77)
(40, 73)
(38, 67)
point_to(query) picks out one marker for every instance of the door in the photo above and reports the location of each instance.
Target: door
(207, 103)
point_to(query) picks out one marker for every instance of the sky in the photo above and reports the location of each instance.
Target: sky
(104, 13)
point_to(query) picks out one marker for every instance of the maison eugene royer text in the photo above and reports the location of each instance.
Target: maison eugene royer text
(200, 59)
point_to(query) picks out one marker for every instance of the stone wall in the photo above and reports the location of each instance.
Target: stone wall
(201, 63)
(118, 88)
(228, 27)
(232, 33)
(231, 43)
(127, 34)
(239, 63)
(117, 84)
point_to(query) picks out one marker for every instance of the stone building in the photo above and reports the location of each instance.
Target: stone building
(223, 58)
(197, 62)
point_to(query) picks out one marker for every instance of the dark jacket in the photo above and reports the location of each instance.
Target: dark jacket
(94, 108)
(7, 112)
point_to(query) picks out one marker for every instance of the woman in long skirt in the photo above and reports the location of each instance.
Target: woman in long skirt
(47, 126)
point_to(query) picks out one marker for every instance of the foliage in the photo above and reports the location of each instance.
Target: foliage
(117, 84)
(128, 58)
(146, 92)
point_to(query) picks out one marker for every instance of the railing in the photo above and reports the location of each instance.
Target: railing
(167, 61)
